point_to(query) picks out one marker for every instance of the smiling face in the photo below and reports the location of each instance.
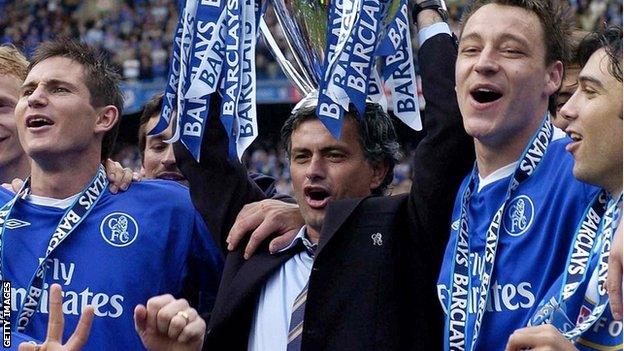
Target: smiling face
(503, 82)
(11, 152)
(54, 113)
(594, 113)
(158, 158)
(324, 169)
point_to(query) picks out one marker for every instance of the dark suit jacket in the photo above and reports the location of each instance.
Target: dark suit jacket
(363, 294)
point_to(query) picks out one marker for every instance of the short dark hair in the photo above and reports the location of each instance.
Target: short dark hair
(554, 15)
(150, 109)
(99, 77)
(611, 40)
(376, 134)
(572, 62)
(557, 23)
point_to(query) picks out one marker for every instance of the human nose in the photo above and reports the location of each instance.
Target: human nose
(316, 168)
(169, 156)
(569, 111)
(486, 62)
(37, 98)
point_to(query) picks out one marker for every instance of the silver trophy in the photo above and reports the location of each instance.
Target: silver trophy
(304, 24)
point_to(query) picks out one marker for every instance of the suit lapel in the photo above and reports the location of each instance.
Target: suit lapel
(340, 210)
(248, 280)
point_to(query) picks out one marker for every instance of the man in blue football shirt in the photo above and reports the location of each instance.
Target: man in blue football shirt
(110, 252)
(516, 213)
(594, 115)
(14, 163)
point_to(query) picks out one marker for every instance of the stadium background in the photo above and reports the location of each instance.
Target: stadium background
(138, 34)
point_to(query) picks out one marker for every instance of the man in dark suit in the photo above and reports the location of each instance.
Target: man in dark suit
(371, 282)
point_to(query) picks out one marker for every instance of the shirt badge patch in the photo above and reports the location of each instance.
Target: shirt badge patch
(119, 229)
(519, 216)
(377, 239)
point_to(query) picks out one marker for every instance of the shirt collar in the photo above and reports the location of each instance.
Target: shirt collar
(300, 235)
(497, 175)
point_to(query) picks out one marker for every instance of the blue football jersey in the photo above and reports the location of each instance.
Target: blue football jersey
(134, 245)
(604, 334)
(537, 229)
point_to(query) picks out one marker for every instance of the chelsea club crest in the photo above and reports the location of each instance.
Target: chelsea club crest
(519, 215)
(119, 229)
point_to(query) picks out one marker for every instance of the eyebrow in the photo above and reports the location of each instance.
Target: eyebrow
(157, 137)
(323, 150)
(471, 36)
(589, 79)
(52, 82)
(502, 37)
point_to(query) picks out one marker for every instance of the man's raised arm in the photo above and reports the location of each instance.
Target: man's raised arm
(219, 186)
(446, 154)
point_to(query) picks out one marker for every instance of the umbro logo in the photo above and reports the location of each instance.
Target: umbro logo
(15, 223)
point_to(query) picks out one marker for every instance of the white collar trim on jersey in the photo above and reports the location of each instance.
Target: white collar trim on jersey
(498, 174)
(508, 170)
(50, 202)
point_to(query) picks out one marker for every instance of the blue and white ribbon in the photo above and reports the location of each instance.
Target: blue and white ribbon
(213, 51)
(73, 217)
(458, 336)
(363, 44)
(589, 251)
(400, 72)
(171, 89)
(376, 91)
(246, 125)
(333, 100)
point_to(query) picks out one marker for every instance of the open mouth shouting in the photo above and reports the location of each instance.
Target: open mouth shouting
(484, 95)
(38, 122)
(316, 197)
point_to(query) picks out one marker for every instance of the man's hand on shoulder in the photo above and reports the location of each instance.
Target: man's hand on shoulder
(119, 177)
(167, 324)
(14, 186)
(56, 323)
(262, 219)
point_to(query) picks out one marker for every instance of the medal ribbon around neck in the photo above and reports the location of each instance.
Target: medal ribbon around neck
(458, 307)
(609, 226)
(72, 218)
(588, 250)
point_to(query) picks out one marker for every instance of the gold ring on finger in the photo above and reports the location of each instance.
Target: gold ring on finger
(184, 315)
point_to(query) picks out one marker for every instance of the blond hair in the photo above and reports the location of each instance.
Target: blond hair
(13, 62)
